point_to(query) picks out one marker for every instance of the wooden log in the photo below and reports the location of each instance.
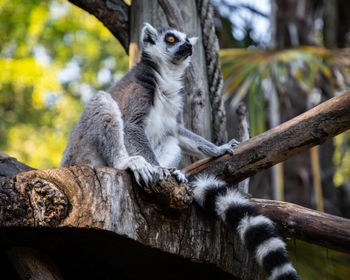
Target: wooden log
(306, 224)
(280, 143)
(103, 199)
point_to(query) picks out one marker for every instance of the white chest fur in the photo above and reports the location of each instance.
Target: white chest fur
(161, 124)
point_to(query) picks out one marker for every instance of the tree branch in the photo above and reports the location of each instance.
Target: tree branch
(114, 14)
(280, 143)
(309, 225)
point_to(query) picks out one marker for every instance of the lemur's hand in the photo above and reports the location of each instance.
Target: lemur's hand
(180, 177)
(160, 174)
(140, 167)
(145, 173)
(228, 147)
(163, 173)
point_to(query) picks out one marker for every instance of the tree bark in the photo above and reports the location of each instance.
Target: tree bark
(293, 23)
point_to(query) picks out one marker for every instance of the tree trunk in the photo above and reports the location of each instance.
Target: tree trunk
(330, 19)
(293, 22)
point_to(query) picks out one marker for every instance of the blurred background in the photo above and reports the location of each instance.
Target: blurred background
(280, 57)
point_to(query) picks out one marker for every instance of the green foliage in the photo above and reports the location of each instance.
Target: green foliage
(246, 70)
(51, 56)
(318, 263)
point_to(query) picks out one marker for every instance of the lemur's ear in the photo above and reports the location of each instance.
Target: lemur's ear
(193, 40)
(148, 34)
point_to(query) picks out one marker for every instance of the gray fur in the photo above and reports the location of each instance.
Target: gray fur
(137, 124)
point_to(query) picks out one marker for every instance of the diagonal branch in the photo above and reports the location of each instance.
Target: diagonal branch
(280, 143)
(114, 14)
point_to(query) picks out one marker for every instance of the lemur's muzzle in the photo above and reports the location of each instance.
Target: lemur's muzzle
(184, 50)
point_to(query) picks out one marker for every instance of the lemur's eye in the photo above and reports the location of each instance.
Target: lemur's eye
(170, 38)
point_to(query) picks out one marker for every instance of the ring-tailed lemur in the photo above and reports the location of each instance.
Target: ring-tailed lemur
(138, 125)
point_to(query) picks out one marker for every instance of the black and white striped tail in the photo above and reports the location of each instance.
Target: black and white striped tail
(256, 231)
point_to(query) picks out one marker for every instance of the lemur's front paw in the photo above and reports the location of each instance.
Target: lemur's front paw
(228, 147)
(160, 174)
(180, 177)
(233, 143)
(163, 173)
(141, 169)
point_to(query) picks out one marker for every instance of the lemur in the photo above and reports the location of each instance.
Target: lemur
(137, 124)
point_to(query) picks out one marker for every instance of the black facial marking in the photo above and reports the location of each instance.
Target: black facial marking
(149, 37)
(184, 51)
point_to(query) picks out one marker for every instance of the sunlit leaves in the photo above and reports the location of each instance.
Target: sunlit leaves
(26, 72)
(53, 55)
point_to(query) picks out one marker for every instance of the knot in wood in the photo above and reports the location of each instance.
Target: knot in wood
(49, 205)
(170, 195)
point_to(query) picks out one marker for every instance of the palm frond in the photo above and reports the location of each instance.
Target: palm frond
(245, 70)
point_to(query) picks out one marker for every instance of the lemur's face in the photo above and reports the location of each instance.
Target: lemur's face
(167, 44)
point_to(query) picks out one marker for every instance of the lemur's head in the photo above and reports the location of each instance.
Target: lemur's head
(167, 44)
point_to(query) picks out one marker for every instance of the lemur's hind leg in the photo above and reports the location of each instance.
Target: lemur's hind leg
(105, 119)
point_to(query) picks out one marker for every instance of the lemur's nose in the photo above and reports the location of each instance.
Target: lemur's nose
(187, 46)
